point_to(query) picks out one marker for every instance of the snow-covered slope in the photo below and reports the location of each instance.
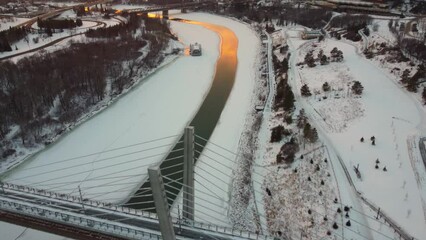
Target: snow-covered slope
(385, 111)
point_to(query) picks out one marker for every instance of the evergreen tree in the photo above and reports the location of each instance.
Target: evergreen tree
(326, 87)
(304, 90)
(277, 133)
(405, 76)
(336, 55)
(284, 65)
(366, 31)
(313, 136)
(357, 88)
(4, 45)
(49, 31)
(288, 101)
(309, 60)
(78, 22)
(323, 60)
(307, 131)
(412, 84)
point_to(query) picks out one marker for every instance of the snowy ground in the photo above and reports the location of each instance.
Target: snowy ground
(36, 40)
(384, 111)
(127, 7)
(60, 4)
(69, 14)
(6, 22)
(383, 38)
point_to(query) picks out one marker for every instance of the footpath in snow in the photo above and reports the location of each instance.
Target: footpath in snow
(384, 111)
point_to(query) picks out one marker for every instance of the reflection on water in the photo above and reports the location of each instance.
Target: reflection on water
(204, 121)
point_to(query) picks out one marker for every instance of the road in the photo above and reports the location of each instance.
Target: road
(50, 43)
(55, 12)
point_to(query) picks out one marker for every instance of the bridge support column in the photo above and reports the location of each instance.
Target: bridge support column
(188, 174)
(161, 205)
(165, 14)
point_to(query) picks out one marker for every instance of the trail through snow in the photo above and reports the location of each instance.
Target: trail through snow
(389, 114)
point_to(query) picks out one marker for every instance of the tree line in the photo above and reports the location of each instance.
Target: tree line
(352, 23)
(283, 13)
(59, 23)
(42, 93)
(10, 36)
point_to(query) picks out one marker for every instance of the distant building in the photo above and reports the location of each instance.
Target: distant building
(311, 34)
(195, 49)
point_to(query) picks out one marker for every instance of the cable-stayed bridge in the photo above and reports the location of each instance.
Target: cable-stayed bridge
(82, 217)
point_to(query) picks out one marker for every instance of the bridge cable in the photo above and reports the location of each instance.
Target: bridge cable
(100, 152)
(92, 162)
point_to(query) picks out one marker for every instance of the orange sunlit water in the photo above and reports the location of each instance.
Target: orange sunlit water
(186, 52)
(228, 42)
(154, 15)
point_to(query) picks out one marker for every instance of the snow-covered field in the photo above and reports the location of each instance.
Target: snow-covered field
(385, 111)
(7, 22)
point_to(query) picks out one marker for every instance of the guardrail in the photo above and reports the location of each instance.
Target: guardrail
(39, 212)
(75, 199)
(221, 229)
(77, 220)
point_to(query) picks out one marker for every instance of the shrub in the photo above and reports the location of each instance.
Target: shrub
(305, 91)
(326, 87)
(277, 133)
(288, 151)
(357, 88)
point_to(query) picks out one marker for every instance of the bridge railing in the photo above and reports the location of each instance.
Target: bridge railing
(77, 220)
(220, 229)
(78, 200)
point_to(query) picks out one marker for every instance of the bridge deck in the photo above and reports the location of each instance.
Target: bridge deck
(52, 227)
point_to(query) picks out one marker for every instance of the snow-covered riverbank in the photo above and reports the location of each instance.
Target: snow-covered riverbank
(158, 108)
(213, 180)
